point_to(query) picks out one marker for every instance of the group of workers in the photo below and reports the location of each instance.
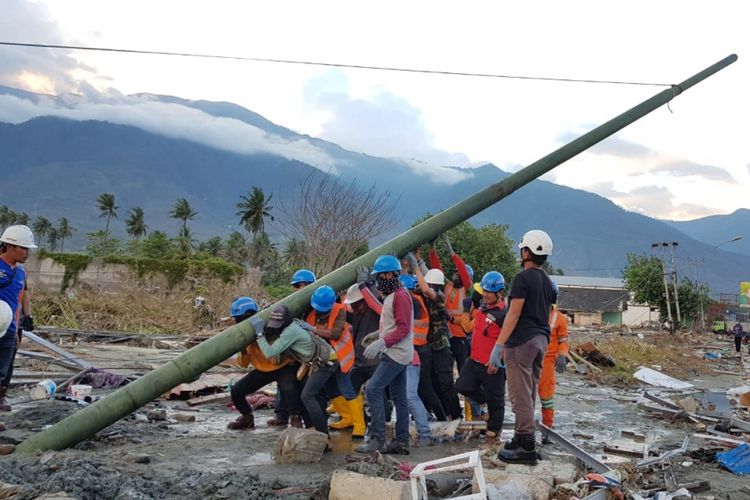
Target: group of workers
(402, 333)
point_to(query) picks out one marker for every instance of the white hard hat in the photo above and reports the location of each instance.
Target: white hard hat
(6, 317)
(20, 236)
(353, 294)
(435, 277)
(537, 241)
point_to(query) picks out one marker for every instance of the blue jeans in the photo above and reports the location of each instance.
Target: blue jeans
(311, 395)
(340, 385)
(7, 355)
(416, 407)
(393, 376)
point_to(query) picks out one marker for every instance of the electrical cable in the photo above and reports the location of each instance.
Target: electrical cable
(330, 64)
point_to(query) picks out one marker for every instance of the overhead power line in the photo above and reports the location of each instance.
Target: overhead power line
(329, 64)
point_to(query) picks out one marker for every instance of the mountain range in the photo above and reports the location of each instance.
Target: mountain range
(59, 161)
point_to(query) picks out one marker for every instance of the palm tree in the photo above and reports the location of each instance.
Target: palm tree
(182, 211)
(261, 251)
(295, 253)
(185, 241)
(64, 230)
(106, 204)
(236, 247)
(41, 227)
(253, 210)
(22, 218)
(7, 217)
(212, 247)
(135, 224)
(53, 236)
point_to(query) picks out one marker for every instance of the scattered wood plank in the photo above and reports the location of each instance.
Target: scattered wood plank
(211, 398)
(47, 358)
(587, 363)
(57, 350)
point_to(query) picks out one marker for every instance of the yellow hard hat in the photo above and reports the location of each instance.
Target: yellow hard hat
(478, 288)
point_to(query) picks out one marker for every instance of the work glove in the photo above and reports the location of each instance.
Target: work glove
(27, 323)
(371, 337)
(496, 357)
(448, 245)
(560, 364)
(304, 325)
(258, 325)
(412, 260)
(363, 274)
(373, 350)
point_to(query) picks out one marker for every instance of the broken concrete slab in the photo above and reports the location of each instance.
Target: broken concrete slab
(658, 379)
(347, 485)
(560, 471)
(299, 446)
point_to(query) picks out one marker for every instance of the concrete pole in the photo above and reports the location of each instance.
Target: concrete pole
(666, 285)
(202, 357)
(674, 284)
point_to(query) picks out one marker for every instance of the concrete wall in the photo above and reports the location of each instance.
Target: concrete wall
(47, 275)
(586, 319)
(639, 316)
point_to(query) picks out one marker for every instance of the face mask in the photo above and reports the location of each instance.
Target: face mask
(388, 286)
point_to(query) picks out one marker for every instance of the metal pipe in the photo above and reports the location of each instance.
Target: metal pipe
(200, 358)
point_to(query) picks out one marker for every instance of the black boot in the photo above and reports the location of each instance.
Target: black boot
(243, 422)
(3, 405)
(521, 451)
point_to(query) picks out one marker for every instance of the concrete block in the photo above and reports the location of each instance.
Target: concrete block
(537, 487)
(347, 485)
(299, 446)
(561, 472)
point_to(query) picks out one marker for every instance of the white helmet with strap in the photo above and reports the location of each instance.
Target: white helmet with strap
(537, 241)
(353, 294)
(435, 277)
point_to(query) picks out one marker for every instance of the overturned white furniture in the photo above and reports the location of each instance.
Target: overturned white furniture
(469, 460)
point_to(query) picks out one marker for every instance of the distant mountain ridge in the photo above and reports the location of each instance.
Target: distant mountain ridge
(59, 166)
(719, 229)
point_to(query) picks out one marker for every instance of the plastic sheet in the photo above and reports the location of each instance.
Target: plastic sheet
(736, 460)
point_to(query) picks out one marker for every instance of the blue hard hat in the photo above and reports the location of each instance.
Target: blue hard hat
(493, 281)
(386, 264)
(241, 306)
(303, 276)
(471, 272)
(408, 281)
(323, 298)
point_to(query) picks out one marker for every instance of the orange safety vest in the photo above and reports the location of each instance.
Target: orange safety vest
(422, 323)
(254, 356)
(454, 306)
(344, 346)
(558, 339)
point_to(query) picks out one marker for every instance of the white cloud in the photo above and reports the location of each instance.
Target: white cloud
(654, 201)
(170, 120)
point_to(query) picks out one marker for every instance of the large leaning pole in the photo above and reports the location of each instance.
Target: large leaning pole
(213, 351)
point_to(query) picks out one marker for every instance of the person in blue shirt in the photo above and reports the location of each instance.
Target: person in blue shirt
(16, 244)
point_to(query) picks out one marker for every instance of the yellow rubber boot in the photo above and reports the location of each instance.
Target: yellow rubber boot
(467, 410)
(357, 409)
(341, 406)
(330, 409)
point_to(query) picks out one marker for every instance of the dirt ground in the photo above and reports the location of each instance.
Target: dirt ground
(136, 458)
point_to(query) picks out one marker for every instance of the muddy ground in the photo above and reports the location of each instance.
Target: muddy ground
(136, 458)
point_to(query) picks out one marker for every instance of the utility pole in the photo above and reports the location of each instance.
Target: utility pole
(660, 246)
(672, 245)
(696, 261)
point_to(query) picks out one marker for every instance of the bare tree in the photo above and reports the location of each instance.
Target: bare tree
(334, 220)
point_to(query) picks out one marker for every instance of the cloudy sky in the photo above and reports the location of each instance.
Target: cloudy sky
(684, 162)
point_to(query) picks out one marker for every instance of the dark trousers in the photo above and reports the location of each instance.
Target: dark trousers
(442, 379)
(286, 380)
(460, 347)
(738, 343)
(476, 384)
(7, 356)
(360, 375)
(426, 389)
(312, 395)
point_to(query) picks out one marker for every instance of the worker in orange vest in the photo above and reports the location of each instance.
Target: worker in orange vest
(456, 292)
(554, 360)
(281, 370)
(328, 320)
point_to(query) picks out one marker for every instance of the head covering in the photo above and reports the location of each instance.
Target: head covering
(280, 317)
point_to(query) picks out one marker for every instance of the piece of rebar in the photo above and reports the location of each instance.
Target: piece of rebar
(200, 358)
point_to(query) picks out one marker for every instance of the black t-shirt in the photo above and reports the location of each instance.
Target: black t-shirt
(535, 287)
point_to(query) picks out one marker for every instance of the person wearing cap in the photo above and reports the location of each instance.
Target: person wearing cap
(436, 359)
(283, 336)
(16, 244)
(327, 320)
(300, 279)
(395, 350)
(523, 341)
(282, 370)
(554, 360)
(476, 381)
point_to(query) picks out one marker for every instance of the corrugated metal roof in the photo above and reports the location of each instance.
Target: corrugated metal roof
(589, 282)
(582, 299)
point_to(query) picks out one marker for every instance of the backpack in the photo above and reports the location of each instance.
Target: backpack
(322, 351)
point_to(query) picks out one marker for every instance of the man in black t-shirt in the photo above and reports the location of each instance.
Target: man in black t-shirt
(523, 343)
